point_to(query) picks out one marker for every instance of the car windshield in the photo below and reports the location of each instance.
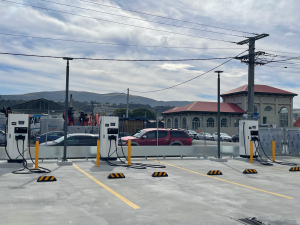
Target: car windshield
(139, 134)
(60, 139)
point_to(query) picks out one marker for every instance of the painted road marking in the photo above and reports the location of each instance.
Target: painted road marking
(242, 185)
(108, 189)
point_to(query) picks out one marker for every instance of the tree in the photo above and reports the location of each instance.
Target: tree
(140, 112)
(120, 112)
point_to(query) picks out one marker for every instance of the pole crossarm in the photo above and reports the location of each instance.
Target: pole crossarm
(260, 36)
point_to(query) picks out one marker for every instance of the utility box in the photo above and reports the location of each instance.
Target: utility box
(17, 137)
(109, 132)
(248, 130)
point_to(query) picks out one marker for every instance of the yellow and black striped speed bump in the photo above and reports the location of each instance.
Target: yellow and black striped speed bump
(159, 174)
(115, 175)
(249, 171)
(46, 179)
(214, 172)
(295, 169)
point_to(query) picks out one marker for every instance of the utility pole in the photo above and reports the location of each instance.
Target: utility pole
(219, 127)
(250, 59)
(127, 109)
(66, 110)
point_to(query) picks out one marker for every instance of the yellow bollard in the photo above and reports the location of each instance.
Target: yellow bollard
(98, 153)
(251, 152)
(129, 153)
(36, 163)
(273, 150)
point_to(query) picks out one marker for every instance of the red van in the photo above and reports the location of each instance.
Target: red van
(148, 137)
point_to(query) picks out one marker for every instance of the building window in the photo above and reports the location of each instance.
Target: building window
(210, 122)
(224, 122)
(183, 123)
(283, 117)
(195, 123)
(268, 109)
(176, 123)
(169, 123)
(236, 122)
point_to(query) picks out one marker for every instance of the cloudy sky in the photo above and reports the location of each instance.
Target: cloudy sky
(115, 30)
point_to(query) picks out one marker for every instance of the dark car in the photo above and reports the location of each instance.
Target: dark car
(235, 138)
(124, 134)
(50, 136)
(148, 137)
(74, 140)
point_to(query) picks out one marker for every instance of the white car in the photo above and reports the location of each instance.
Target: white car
(192, 133)
(204, 136)
(2, 137)
(223, 137)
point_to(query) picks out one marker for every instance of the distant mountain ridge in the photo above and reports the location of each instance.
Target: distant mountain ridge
(82, 96)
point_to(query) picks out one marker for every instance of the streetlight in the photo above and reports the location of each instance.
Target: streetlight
(64, 159)
(219, 152)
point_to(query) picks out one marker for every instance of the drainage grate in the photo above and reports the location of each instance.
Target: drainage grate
(252, 221)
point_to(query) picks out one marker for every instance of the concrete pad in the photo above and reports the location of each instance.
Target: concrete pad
(82, 194)
(64, 163)
(218, 160)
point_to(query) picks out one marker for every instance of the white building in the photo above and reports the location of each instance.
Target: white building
(274, 106)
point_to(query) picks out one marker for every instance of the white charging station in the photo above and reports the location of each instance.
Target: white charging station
(248, 129)
(109, 132)
(17, 135)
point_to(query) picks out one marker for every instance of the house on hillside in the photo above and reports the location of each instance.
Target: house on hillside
(275, 106)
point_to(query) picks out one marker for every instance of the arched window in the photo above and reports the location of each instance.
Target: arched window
(195, 123)
(183, 123)
(224, 122)
(236, 122)
(176, 123)
(169, 123)
(268, 109)
(284, 117)
(210, 122)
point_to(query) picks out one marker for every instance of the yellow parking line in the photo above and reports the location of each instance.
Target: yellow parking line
(108, 189)
(225, 180)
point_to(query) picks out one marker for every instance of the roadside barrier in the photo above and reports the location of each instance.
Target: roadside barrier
(214, 172)
(249, 171)
(159, 174)
(115, 175)
(46, 179)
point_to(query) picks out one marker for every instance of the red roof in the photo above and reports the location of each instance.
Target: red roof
(297, 123)
(207, 107)
(258, 88)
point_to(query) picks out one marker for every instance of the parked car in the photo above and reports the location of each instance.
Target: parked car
(204, 136)
(192, 133)
(236, 138)
(165, 137)
(124, 134)
(223, 137)
(50, 136)
(77, 139)
(2, 137)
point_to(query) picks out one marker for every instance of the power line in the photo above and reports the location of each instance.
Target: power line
(163, 89)
(283, 67)
(120, 60)
(93, 42)
(281, 52)
(89, 17)
(169, 18)
(143, 19)
(114, 97)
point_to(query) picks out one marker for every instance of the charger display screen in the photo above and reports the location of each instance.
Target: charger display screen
(20, 130)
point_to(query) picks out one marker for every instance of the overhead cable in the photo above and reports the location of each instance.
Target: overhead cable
(121, 60)
(100, 43)
(89, 17)
(151, 21)
(164, 17)
(163, 89)
(285, 67)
